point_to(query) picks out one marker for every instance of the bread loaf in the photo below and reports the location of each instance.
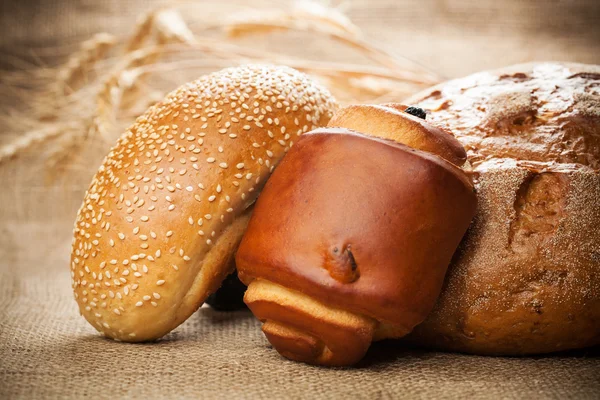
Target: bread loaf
(351, 237)
(526, 279)
(163, 215)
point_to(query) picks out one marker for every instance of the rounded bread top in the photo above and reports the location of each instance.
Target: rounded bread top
(390, 121)
(173, 184)
(546, 112)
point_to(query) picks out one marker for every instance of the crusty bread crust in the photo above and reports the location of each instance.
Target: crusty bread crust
(526, 278)
(162, 217)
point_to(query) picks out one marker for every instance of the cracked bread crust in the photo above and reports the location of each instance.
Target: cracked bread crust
(540, 112)
(526, 278)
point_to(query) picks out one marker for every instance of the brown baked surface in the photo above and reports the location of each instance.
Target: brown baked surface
(355, 233)
(526, 278)
(374, 226)
(540, 112)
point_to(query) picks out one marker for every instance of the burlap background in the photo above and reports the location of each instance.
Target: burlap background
(48, 351)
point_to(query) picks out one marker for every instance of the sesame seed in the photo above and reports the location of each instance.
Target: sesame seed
(160, 282)
(223, 165)
(139, 304)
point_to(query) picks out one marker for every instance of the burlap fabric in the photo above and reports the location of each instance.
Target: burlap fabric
(48, 351)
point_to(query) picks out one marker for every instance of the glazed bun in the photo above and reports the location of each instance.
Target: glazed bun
(350, 239)
(165, 212)
(526, 279)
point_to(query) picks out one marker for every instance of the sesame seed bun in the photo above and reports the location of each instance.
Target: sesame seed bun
(165, 212)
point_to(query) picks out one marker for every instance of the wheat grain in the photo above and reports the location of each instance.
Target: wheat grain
(123, 78)
(141, 32)
(28, 140)
(92, 93)
(171, 28)
(75, 72)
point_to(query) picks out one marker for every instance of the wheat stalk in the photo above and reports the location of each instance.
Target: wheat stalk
(91, 91)
(121, 79)
(74, 73)
(141, 32)
(314, 18)
(28, 140)
(169, 27)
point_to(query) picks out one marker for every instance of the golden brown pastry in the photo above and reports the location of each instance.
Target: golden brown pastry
(162, 217)
(351, 237)
(526, 279)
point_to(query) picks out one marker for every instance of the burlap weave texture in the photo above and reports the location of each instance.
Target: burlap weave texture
(48, 351)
